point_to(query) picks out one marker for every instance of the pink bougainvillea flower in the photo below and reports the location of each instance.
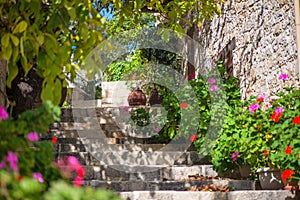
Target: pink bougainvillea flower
(184, 105)
(213, 88)
(38, 176)
(194, 137)
(12, 158)
(279, 110)
(156, 129)
(234, 156)
(3, 114)
(253, 107)
(283, 77)
(33, 136)
(73, 163)
(211, 81)
(191, 76)
(78, 181)
(125, 108)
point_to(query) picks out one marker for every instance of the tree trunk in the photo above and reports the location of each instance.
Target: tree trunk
(3, 73)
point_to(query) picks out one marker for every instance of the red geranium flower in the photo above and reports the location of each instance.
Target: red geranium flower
(184, 105)
(296, 120)
(276, 116)
(287, 174)
(288, 150)
(54, 140)
(194, 137)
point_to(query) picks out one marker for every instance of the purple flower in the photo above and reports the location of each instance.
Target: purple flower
(3, 114)
(38, 176)
(156, 129)
(12, 158)
(279, 110)
(125, 108)
(253, 107)
(283, 77)
(211, 81)
(33, 136)
(234, 156)
(213, 88)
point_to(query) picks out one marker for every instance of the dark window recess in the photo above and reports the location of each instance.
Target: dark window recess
(226, 56)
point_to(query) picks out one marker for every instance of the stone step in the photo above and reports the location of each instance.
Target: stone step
(76, 145)
(146, 173)
(191, 195)
(137, 158)
(121, 186)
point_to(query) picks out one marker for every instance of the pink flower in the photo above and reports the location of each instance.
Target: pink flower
(73, 163)
(78, 181)
(234, 156)
(12, 158)
(38, 176)
(80, 171)
(33, 136)
(2, 164)
(156, 129)
(191, 76)
(213, 88)
(125, 108)
(283, 77)
(211, 81)
(3, 114)
(279, 110)
(253, 107)
(267, 105)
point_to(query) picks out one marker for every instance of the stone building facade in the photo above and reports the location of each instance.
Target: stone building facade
(257, 41)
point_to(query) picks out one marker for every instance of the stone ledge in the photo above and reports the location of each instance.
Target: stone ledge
(120, 186)
(234, 195)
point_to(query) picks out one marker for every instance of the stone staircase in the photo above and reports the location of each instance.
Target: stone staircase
(164, 177)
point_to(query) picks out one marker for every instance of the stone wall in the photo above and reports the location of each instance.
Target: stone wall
(263, 33)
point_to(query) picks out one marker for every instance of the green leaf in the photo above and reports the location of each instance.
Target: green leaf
(21, 27)
(14, 39)
(57, 92)
(12, 73)
(5, 41)
(7, 52)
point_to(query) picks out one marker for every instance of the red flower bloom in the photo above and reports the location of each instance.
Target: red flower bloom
(54, 140)
(296, 120)
(288, 150)
(78, 181)
(20, 178)
(80, 172)
(266, 151)
(276, 116)
(194, 137)
(287, 174)
(184, 105)
(259, 100)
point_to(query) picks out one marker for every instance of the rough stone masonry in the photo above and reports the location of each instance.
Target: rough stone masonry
(260, 36)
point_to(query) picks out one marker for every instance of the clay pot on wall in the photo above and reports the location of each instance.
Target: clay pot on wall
(137, 98)
(155, 98)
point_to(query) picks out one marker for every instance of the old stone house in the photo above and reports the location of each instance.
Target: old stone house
(257, 39)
